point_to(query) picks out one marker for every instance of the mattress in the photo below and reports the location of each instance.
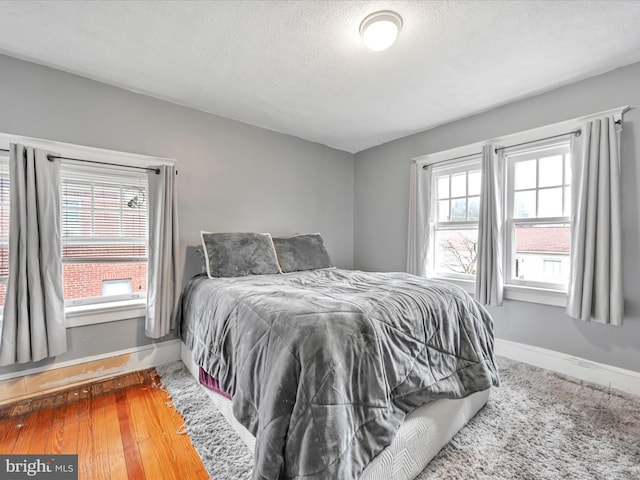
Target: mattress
(421, 436)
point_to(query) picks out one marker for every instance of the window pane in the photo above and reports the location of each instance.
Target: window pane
(443, 187)
(567, 202)
(76, 223)
(443, 210)
(458, 210)
(459, 184)
(474, 208)
(85, 280)
(525, 204)
(567, 169)
(550, 202)
(536, 244)
(474, 182)
(456, 251)
(525, 174)
(134, 224)
(107, 224)
(550, 171)
(76, 195)
(106, 196)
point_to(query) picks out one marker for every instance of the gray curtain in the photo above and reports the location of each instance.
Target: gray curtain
(33, 325)
(595, 282)
(163, 280)
(489, 276)
(418, 241)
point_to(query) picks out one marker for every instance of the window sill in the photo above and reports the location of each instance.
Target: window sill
(82, 315)
(544, 296)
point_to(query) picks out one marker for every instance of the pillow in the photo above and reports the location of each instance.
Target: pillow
(239, 254)
(301, 252)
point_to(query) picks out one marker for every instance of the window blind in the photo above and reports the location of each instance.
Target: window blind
(104, 214)
(4, 220)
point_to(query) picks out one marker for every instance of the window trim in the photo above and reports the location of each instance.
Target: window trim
(91, 314)
(99, 312)
(529, 294)
(533, 294)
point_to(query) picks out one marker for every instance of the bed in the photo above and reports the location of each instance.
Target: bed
(337, 374)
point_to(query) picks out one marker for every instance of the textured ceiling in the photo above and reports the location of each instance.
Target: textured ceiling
(300, 67)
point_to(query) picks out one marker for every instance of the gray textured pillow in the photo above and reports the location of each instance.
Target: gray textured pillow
(239, 254)
(301, 252)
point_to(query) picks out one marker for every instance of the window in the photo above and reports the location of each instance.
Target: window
(537, 230)
(538, 236)
(104, 233)
(116, 287)
(4, 226)
(455, 211)
(535, 205)
(552, 268)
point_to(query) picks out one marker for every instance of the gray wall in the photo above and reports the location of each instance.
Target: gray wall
(232, 176)
(381, 204)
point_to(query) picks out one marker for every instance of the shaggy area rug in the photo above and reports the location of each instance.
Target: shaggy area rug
(537, 425)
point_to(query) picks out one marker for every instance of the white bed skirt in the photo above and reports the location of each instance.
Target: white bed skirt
(421, 436)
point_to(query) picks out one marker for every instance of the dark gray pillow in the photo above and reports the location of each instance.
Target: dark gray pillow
(239, 254)
(301, 252)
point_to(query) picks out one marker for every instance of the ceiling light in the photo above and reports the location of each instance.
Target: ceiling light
(380, 29)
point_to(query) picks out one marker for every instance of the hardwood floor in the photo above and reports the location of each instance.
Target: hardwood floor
(124, 430)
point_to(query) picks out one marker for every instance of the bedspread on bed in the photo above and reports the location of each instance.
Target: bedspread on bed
(324, 364)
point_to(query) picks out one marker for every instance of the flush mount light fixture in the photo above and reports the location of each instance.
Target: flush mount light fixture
(380, 29)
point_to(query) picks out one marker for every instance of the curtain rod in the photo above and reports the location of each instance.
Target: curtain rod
(151, 169)
(424, 167)
(577, 133)
(52, 157)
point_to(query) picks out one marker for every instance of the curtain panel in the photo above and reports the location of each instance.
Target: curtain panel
(419, 231)
(595, 284)
(489, 275)
(163, 278)
(32, 326)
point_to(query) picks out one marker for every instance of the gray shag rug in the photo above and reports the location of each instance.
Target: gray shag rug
(537, 425)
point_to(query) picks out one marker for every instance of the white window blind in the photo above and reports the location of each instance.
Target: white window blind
(104, 229)
(4, 225)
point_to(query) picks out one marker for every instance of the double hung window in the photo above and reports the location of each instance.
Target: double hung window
(456, 205)
(104, 234)
(536, 203)
(538, 236)
(528, 225)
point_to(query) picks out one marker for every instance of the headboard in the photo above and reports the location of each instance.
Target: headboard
(192, 263)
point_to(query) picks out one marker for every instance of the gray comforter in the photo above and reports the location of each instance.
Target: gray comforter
(323, 365)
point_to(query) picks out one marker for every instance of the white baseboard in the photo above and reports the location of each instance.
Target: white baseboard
(146, 356)
(599, 373)
(58, 376)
